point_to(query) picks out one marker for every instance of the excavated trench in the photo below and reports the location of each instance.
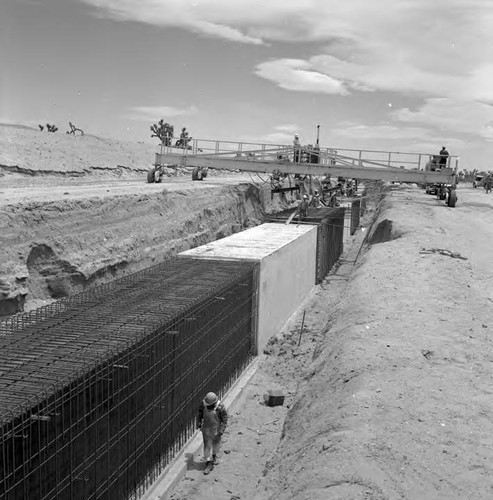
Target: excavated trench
(57, 248)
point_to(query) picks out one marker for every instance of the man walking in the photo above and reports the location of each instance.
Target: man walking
(212, 419)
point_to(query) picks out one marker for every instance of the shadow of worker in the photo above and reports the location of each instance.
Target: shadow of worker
(193, 464)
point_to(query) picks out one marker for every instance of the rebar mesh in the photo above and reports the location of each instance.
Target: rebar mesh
(98, 392)
(330, 235)
(355, 215)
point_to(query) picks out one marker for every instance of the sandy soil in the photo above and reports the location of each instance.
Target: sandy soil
(389, 393)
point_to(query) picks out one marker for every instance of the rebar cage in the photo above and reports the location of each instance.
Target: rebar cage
(355, 215)
(99, 392)
(330, 235)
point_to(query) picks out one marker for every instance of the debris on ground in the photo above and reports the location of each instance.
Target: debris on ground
(442, 251)
(274, 398)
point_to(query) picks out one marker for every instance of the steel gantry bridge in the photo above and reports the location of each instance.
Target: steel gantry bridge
(309, 160)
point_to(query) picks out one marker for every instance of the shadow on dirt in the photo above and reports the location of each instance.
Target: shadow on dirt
(192, 464)
(384, 232)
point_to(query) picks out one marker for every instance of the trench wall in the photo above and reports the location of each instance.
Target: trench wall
(53, 249)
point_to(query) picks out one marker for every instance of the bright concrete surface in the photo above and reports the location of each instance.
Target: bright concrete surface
(287, 256)
(347, 220)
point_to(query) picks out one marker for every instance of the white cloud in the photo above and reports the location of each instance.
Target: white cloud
(439, 49)
(147, 113)
(291, 128)
(212, 18)
(283, 134)
(410, 141)
(295, 74)
(383, 132)
(278, 138)
(465, 117)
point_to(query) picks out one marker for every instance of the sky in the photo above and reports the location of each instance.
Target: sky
(393, 75)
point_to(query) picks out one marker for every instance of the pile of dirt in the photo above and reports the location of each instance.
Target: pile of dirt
(28, 151)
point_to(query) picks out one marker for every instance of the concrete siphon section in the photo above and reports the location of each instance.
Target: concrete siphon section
(287, 257)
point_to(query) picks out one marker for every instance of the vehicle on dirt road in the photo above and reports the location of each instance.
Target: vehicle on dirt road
(155, 174)
(488, 183)
(199, 173)
(444, 192)
(478, 181)
(431, 189)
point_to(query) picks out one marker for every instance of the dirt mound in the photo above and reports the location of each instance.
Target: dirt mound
(31, 152)
(394, 404)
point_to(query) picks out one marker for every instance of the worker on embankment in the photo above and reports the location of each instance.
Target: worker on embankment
(212, 419)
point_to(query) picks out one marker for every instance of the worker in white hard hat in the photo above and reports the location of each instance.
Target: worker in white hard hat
(212, 419)
(303, 206)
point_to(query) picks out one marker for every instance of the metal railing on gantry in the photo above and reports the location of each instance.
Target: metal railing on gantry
(251, 151)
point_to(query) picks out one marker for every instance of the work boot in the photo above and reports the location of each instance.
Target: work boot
(209, 466)
(215, 460)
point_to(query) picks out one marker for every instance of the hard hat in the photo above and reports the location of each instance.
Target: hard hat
(305, 196)
(210, 398)
(296, 135)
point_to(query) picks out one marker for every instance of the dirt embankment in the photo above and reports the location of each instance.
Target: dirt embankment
(51, 249)
(397, 400)
(77, 211)
(32, 152)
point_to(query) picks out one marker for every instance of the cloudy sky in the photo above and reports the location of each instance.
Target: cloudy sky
(400, 75)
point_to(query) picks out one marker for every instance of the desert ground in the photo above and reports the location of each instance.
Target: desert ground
(388, 395)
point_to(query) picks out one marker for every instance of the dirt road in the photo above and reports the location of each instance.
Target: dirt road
(389, 393)
(22, 189)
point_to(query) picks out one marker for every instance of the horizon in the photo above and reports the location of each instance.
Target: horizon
(411, 80)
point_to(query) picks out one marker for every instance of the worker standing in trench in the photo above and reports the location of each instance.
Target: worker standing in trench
(212, 419)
